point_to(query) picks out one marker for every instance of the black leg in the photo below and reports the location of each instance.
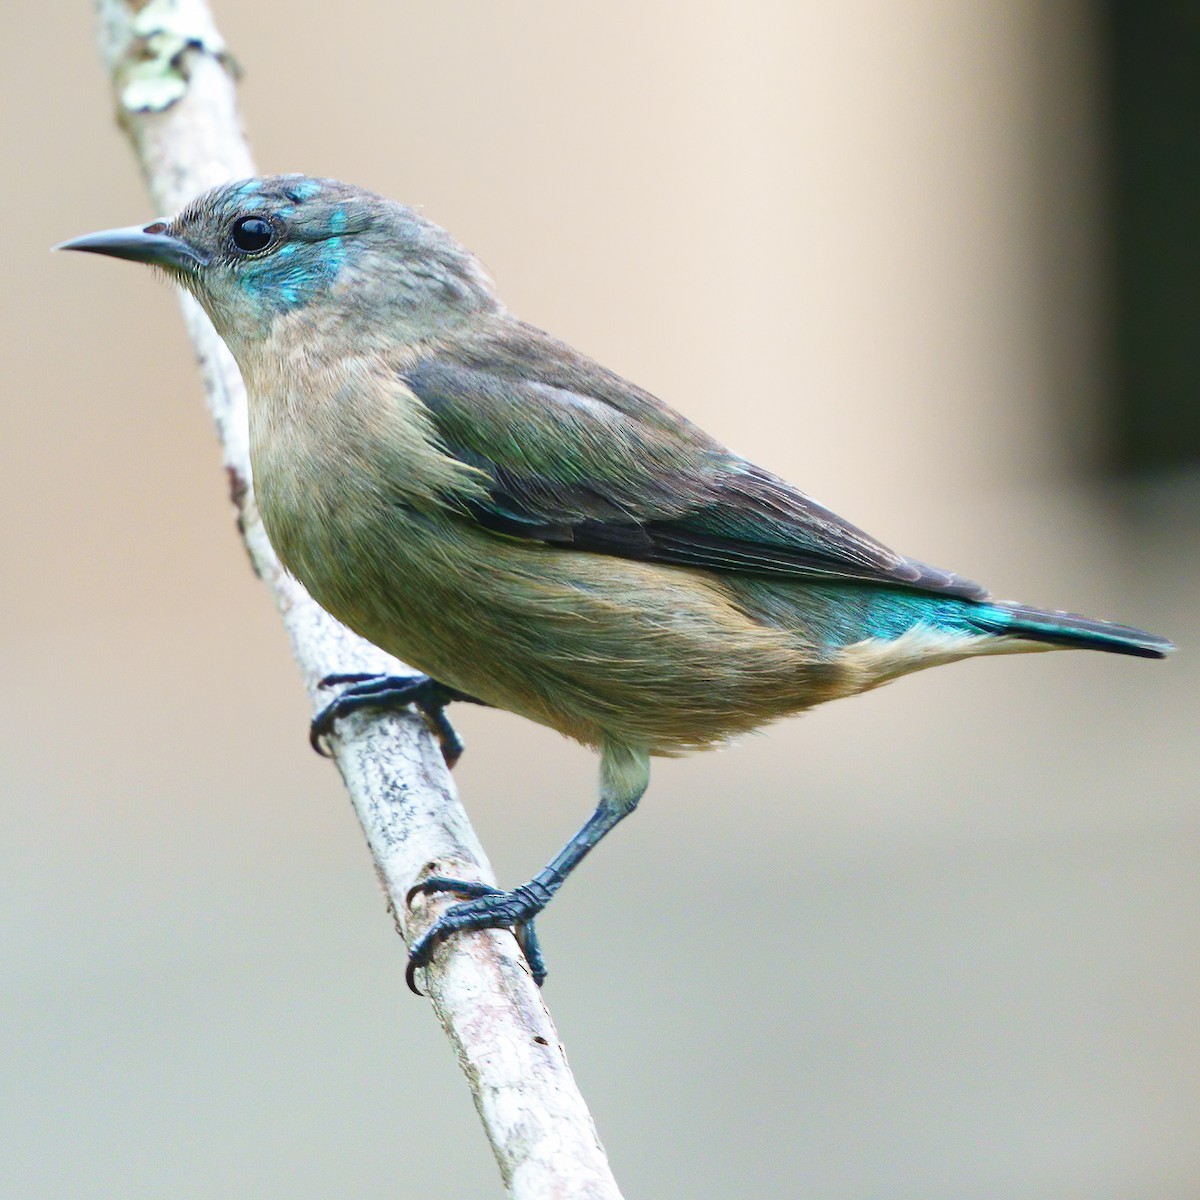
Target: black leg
(390, 692)
(624, 777)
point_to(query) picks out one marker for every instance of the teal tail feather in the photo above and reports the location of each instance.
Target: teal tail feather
(1068, 629)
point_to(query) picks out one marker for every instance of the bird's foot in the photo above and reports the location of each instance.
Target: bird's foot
(390, 692)
(486, 907)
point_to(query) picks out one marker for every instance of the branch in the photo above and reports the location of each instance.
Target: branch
(174, 86)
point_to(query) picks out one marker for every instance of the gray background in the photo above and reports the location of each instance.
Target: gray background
(940, 942)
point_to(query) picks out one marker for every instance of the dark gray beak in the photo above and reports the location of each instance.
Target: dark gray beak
(148, 244)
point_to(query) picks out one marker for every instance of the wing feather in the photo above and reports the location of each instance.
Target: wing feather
(579, 458)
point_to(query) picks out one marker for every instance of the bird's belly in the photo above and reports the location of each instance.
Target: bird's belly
(600, 648)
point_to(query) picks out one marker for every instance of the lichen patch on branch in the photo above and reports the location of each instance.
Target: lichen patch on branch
(154, 73)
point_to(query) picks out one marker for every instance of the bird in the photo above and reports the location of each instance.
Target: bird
(527, 529)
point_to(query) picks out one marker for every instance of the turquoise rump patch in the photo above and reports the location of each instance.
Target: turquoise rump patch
(843, 615)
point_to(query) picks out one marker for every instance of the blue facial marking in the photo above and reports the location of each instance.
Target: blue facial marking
(337, 222)
(298, 272)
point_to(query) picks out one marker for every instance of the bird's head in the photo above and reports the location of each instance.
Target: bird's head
(325, 253)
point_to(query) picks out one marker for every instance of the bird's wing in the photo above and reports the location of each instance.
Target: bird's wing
(573, 456)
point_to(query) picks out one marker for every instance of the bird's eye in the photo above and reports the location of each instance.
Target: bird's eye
(251, 234)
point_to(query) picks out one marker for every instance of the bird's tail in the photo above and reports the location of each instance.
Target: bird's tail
(1067, 629)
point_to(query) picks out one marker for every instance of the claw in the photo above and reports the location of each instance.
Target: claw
(390, 691)
(432, 884)
(352, 677)
(527, 939)
(487, 907)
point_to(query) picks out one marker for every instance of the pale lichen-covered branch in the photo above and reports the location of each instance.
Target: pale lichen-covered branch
(173, 79)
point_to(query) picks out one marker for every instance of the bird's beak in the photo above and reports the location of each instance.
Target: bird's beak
(141, 243)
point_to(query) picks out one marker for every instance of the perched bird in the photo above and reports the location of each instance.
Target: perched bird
(529, 529)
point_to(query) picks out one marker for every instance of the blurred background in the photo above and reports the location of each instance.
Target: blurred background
(937, 262)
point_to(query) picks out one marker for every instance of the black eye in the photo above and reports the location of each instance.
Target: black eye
(251, 234)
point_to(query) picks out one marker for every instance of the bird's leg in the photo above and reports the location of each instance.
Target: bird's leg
(392, 691)
(624, 774)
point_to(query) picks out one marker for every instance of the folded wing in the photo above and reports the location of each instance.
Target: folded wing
(575, 457)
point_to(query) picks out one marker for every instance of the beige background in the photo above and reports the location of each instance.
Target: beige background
(940, 942)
